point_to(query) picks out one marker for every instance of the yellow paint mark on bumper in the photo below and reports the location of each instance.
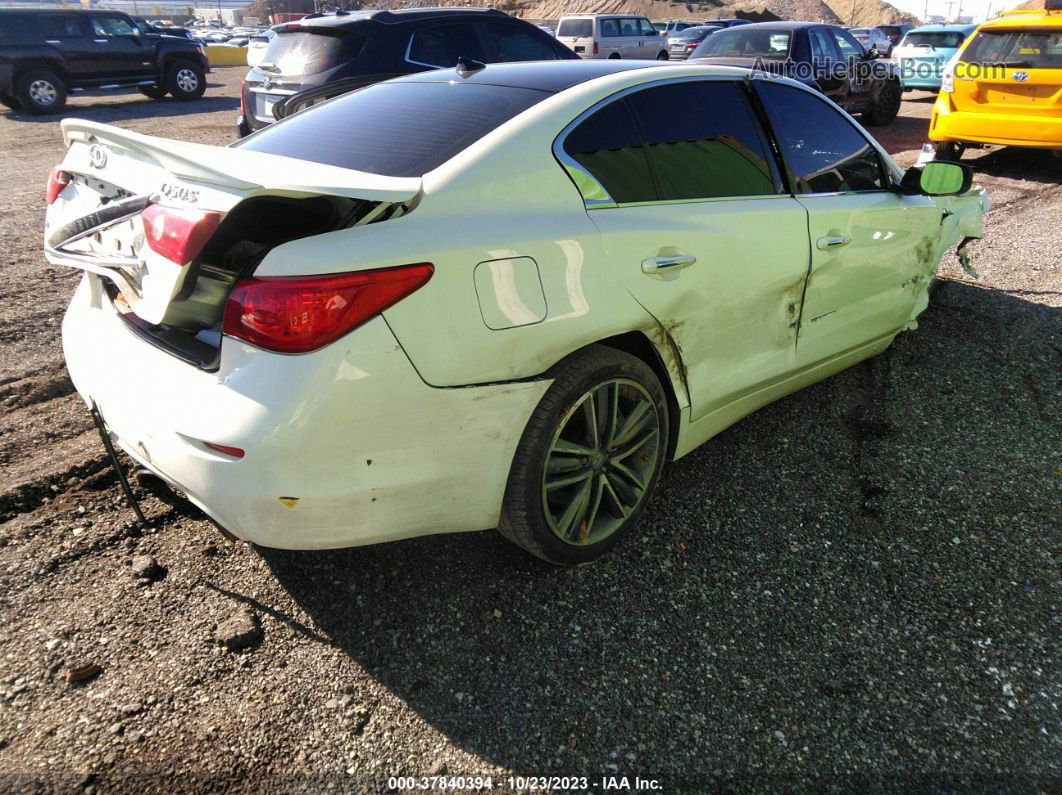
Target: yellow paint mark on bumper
(288, 502)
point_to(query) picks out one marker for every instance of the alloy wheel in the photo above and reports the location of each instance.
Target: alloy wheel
(601, 462)
(42, 93)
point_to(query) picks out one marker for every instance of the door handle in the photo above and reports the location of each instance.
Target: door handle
(657, 264)
(832, 241)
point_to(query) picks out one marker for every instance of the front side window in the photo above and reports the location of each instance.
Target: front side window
(629, 27)
(442, 45)
(704, 141)
(1022, 49)
(824, 151)
(513, 43)
(647, 28)
(109, 27)
(608, 146)
(849, 47)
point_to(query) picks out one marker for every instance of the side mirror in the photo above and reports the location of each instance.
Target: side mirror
(937, 178)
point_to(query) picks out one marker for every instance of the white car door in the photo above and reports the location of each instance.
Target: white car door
(873, 249)
(696, 223)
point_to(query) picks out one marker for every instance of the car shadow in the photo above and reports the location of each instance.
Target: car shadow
(135, 106)
(803, 570)
(1017, 163)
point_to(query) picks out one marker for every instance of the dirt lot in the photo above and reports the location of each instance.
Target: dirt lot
(858, 585)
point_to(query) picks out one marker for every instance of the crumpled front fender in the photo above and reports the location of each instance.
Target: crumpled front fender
(963, 221)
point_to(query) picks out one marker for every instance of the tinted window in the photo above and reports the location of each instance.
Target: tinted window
(608, 146)
(398, 129)
(111, 26)
(610, 27)
(825, 152)
(56, 26)
(1028, 48)
(849, 47)
(949, 39)
(647, 28)
(821, 48)
(630, 27)
(576, 27)
(444, 44)
(704, 141)
(515, 43)
(736, 42)
(308, 51)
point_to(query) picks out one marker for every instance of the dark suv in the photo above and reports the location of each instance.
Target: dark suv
(45, 54)
(363, 47)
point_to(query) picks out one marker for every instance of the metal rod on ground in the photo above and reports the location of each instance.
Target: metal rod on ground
(129, 496)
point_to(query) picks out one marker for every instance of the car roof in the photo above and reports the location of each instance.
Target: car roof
(551, 76)
(1011, 20)
(943, 29)
(397, 16)
(784, 25)
(591, 16)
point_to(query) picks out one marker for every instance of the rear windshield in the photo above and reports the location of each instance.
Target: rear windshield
(306, 51)
(860, 31)
(1027, 48)
(738, 42)
(576, 27)
(951, 39)
(691, 33)
(397, 129)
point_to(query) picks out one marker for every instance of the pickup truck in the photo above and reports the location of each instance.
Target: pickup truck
(46, 54)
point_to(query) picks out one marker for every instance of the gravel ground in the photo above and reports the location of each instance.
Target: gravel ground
(857, 586)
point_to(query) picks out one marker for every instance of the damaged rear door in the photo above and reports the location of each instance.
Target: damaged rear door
(873, 249)
(695, 222)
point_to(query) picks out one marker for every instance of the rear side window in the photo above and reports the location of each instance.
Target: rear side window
(821, 48)
(515, 43)
(1025, 49)
(704, 141)
(610, 27)
(396, 129)
(306, 51)
(56, 26)
(576, 27)
(607, 145)
(824, 151)
(442, 45)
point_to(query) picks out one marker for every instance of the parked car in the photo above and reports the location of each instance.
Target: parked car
(728, 23)
(873, 40)
(612, 36)
(356, 326)
(895, 33)
(822, 56)
(45, 54)
(668, 29)
(681, 44)
(381, 44)
(1004, 86)
(547, 29)
(924, 53)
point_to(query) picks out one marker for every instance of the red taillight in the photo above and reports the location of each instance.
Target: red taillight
(692, 45)
(57, 180)
(596, 48)
(302, 314)
(178, 235)
(243, 99)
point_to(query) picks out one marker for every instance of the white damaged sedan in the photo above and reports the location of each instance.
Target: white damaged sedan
(492, 297)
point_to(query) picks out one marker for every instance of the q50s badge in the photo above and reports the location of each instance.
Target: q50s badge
(179, 193)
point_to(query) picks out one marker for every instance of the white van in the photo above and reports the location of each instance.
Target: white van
(612, 36)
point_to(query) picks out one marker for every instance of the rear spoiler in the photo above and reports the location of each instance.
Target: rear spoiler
(246, 171)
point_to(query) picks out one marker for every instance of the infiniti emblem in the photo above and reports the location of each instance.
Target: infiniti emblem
(1021, 77)
(97, 156)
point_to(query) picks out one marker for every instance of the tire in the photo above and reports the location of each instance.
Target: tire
(886, 107)
(9, 101)
(591, 502)
(185, 80)
(614, 57)
(40, 92)
(662, 56)
(947, 150)
(154, 92)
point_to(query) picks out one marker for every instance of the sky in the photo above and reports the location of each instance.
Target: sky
(978, 9)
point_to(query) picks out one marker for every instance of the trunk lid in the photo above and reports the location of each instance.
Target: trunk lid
(254, 200)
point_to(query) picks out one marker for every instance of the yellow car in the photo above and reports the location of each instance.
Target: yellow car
(1004, 86)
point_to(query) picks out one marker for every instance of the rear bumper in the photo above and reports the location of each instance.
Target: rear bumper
(344, 446)
(994, 127)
